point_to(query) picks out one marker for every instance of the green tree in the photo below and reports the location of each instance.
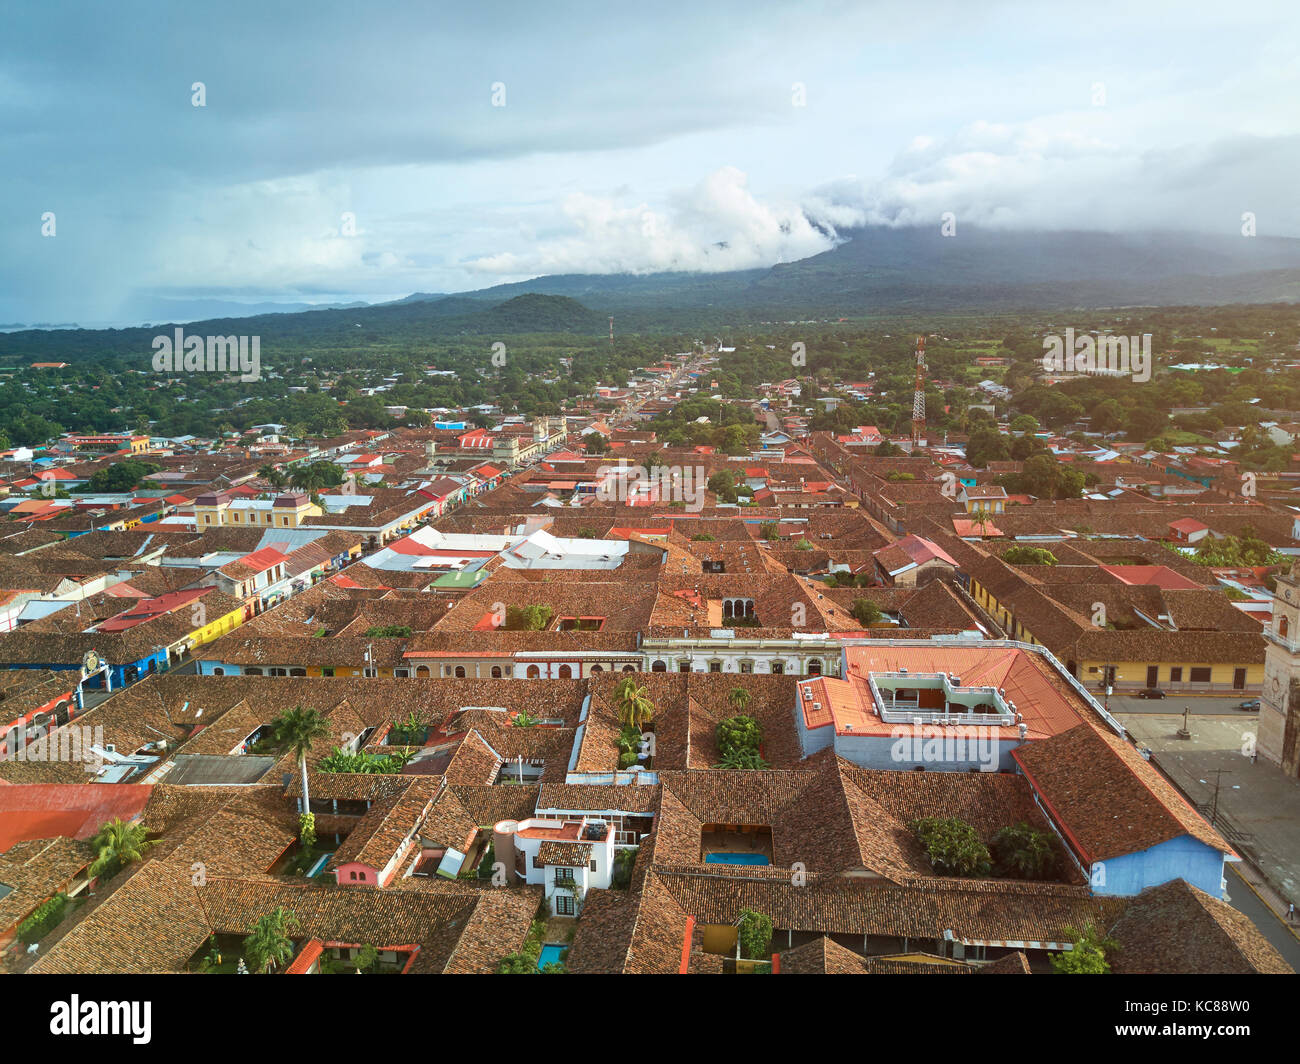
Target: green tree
(738, 699)
(273, 476)
(738, 733)
(865, 612)
(118, 843)
(1024, 852)
(754, 930)
(295, 730)
(268, 944)
(635, 707)
(1029, 556)
(532, 618)
(1088, 955)
(120, 476)
(953, 846)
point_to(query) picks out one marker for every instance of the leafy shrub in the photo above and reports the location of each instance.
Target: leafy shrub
(1024, 852)
(738, 733)
(388, 631)
(1029, 556)
(953, 846)
(755, 930)
(43, 919)
(528, 618)
(865, 611)
(365, 764)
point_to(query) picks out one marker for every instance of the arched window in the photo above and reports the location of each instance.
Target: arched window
(815, 667)
(566, 673)
(595, 669)
(460, 672)
(659, 666)
(496, 672)
(533, 672)
(218, 671)
(628, 668)
(250, 671)
(422, 670)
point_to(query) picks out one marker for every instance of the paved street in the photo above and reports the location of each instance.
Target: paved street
(1218, 706)
(1246, 901)
(1258, 807)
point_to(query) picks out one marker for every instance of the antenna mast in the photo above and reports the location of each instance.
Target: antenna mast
(918, 396)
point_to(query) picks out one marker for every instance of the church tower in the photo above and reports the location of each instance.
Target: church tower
(1279, 708)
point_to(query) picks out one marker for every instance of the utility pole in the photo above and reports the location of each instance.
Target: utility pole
(1214, 806)
(1108, 679)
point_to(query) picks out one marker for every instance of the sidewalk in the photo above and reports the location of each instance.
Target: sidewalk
(1255, 800)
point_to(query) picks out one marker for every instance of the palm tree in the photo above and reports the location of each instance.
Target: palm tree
(118, 843)
(635, 707)
(738, 698)
(269, 944)
(981, 519)
(626, 683)
(273, 476)
(295, 730)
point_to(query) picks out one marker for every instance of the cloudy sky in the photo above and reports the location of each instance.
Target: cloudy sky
(350, 151)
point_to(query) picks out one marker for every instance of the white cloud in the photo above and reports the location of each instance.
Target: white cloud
(718, 224)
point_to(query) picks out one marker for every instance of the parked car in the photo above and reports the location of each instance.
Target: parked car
(1251, 705)
(1151, 692)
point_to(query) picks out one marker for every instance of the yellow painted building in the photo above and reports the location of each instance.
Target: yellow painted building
(1218, 662)
(284, 511)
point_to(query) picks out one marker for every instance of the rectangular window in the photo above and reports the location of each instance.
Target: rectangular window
(593, 865)
(1176, 675)
(328, 670)
(564, 904)
(564, 875)
(747, 666)
(1200, 676)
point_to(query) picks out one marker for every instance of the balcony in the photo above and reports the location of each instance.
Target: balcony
(1290, 645)
(897, 696)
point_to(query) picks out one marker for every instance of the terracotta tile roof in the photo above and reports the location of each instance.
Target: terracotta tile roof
(824, 956)
(1107, 798)
(1175, 928)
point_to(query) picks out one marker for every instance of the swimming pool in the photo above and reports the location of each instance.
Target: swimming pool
(550, 954)
(736, 858)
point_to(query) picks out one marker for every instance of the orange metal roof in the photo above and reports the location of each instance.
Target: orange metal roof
(76, 810)
(1045, 707)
